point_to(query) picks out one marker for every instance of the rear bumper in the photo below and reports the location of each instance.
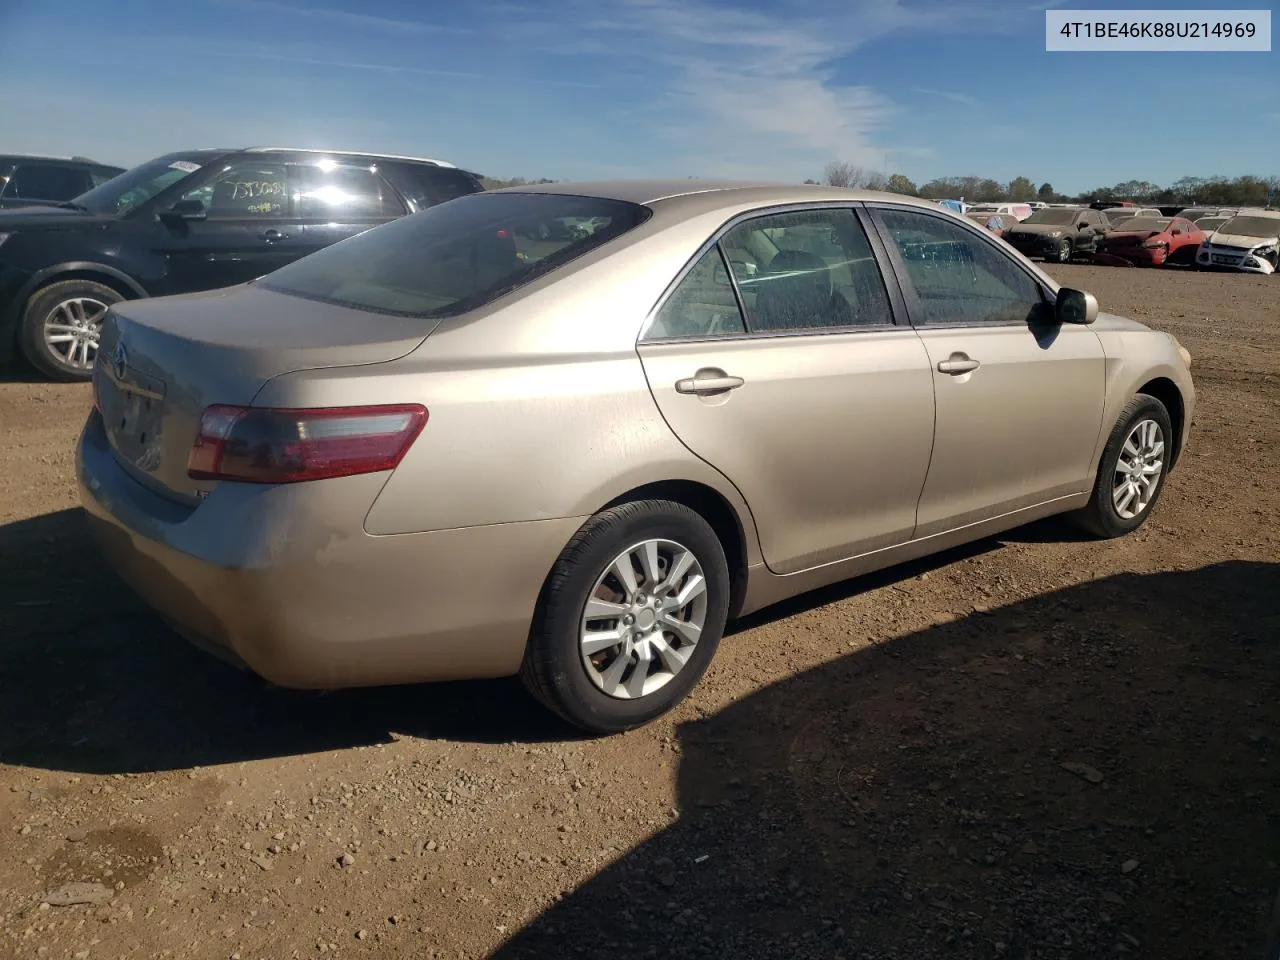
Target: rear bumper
(286, 581)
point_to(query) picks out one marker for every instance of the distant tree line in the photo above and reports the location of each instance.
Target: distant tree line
(497, 183)
(1246, 191)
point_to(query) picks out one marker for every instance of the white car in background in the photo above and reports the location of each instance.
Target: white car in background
(1249, 242)
(1019, 210)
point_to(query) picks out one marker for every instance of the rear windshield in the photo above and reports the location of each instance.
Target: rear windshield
(1251, 226)
(455, 257)
(1053, 217)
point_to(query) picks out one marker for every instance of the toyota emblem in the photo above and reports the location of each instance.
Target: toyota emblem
(119, 361)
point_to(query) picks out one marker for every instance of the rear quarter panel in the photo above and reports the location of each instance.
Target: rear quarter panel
(538, 406)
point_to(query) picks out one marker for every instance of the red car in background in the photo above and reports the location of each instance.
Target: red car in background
(1151, 242)
(997, 223)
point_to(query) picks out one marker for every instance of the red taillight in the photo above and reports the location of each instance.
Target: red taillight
(265, 445)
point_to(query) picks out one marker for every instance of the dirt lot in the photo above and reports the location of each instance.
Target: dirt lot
(1040, 746)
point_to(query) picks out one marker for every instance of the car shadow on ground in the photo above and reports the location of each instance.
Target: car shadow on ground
(1089, 773)
(92, 682)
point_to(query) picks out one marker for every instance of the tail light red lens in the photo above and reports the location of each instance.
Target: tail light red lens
(268, 445)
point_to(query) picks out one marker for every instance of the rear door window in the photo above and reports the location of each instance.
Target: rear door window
(343, 192)
(808, 270)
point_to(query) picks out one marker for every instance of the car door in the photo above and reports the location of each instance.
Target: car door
(1098, 226)
(776, 359)
(1084, 235)
(335, 200)
(1182, 241)
(1019, 399)
(247, 229)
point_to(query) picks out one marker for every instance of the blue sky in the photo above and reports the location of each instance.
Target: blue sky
(600, 88)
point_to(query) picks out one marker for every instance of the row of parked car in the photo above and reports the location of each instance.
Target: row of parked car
(77, 236)
(1244, 239)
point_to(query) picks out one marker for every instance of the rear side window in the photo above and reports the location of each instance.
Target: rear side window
(36, 181)
(441, 184)
(453, 258)
(703, 305)
(343, 192)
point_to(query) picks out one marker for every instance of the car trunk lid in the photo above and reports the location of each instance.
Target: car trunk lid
(162, 362)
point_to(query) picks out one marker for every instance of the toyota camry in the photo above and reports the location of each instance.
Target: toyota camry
(569, 431)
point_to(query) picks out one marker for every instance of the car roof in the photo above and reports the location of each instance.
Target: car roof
(52, 159)
(349, 153)
(702, 194)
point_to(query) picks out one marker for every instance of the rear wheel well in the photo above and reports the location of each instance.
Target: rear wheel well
(1167, 392)
(713, 508)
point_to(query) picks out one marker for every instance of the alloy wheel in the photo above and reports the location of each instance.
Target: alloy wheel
(1138, 469)
(643, 619)
(72, 329)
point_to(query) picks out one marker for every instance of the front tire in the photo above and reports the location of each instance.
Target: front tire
(1064, 251)
(630, 616)
(61, 325)
(1132, 470)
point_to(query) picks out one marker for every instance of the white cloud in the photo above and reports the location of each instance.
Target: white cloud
(955, 96)
(346, 18)
(759, 88)
(386, 67)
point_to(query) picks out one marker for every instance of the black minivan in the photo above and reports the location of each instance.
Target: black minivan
(189, 221)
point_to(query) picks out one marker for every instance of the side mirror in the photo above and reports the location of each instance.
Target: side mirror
(1083, 226)
(1075, 306)
(185, 210)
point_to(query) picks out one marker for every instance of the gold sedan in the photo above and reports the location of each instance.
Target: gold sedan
(569, 430)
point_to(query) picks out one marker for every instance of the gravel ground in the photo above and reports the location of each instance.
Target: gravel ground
(1037, 746)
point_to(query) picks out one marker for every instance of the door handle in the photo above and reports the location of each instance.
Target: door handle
(708, 381)
(272, 235)
(957, 364)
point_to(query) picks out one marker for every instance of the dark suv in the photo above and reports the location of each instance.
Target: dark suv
(29, 181)
(189, 221)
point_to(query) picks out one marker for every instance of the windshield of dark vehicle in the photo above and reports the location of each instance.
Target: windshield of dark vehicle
(1055, 218)
(1251, 226)
(1142, 224)
(459, 255)
(121, 194)
(1209, 224)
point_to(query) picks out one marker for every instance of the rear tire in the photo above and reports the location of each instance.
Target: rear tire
(61, 325)
(570, 665)
(1132, 470)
